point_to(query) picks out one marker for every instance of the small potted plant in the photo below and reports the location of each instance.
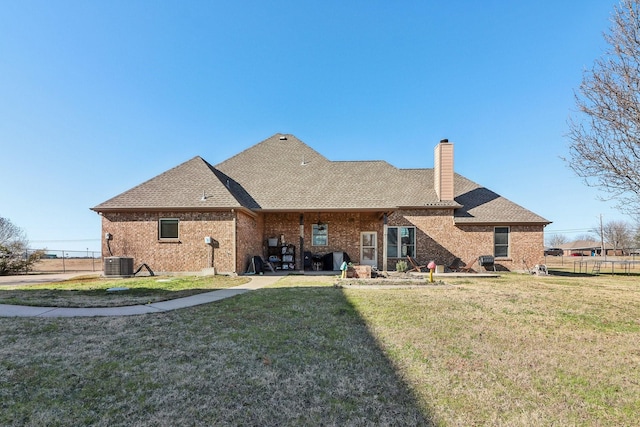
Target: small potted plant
(351, 271)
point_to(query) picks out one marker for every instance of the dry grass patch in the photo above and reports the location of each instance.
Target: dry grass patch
(284, 356)
(515, 350)
(518, 350)
(68, 265)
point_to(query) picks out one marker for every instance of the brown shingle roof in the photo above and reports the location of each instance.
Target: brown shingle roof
(584, 245)
(180, 188)
(286, 174)
(282, 173)
(481, 205)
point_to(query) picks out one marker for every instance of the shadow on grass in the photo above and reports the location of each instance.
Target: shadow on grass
(89, 298)
(316, 334)
(565, 273)
(602, 272)
(274, 356)
(100, 292)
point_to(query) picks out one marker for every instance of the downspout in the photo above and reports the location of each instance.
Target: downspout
(234, 252)
(301, 256)
(384, 243)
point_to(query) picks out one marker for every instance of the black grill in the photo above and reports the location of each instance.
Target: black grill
(487, 261)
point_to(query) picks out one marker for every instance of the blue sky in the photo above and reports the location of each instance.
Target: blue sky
(97, 97)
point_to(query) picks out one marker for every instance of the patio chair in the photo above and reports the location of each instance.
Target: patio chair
(455, 265)
(414, 265)
(467, 268)
(539, 270)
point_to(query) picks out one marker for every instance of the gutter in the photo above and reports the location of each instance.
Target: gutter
(174, 209)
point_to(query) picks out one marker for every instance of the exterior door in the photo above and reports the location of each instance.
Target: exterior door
(369, 248)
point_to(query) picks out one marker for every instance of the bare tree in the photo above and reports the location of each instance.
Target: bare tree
(636, 238)
(618, 235)
(556, 240)
(14, 255)
(586, 237)
(605, 138)
(10, 233)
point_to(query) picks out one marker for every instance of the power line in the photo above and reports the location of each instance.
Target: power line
(576, 230)
(71, 240)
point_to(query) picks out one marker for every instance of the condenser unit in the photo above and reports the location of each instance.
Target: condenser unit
(118, 266)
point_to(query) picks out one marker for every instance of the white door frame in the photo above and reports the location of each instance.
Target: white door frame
(374, 261)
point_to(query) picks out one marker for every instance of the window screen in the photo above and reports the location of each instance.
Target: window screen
(320, 235)
(501, 242)
(168, 228)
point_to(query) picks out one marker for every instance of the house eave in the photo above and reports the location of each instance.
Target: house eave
(437, 205)
(327, 210)
(473, 221)
(101, 211)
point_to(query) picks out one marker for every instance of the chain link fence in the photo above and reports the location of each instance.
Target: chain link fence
(62, 261)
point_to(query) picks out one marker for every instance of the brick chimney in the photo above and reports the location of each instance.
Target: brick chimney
(443, 170)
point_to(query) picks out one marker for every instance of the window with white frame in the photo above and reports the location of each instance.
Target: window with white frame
(319, 235)
(501, 242)
(168, 228)
(401, 242)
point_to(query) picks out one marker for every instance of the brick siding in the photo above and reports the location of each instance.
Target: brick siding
(135, 234)
(343, 232)
(249, 233)
(440, 240)
(437, 238)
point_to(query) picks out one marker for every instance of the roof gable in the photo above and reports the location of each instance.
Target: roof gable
(481, 205)
(193, 184)
(283, 173)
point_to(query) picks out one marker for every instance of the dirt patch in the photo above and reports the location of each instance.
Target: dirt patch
(66, 265)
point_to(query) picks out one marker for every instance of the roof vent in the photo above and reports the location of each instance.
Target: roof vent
(283, 138)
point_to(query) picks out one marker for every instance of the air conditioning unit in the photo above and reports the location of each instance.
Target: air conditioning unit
(118, 266)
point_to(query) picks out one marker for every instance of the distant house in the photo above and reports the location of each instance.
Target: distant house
(589, 248)
(284, 193)
(581, 247)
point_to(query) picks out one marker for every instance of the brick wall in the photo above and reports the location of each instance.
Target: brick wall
(343, 232)
(437, 238)
(135, 234)
(440, 240)
(250, 230)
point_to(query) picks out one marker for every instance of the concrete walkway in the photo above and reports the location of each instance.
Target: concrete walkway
(257, 282)
(33, 279)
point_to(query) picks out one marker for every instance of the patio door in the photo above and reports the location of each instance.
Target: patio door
(369, 248)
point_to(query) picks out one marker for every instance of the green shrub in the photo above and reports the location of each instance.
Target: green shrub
(401, 266)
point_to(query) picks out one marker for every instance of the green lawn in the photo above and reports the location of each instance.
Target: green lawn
(92, 292)
(515, 350)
